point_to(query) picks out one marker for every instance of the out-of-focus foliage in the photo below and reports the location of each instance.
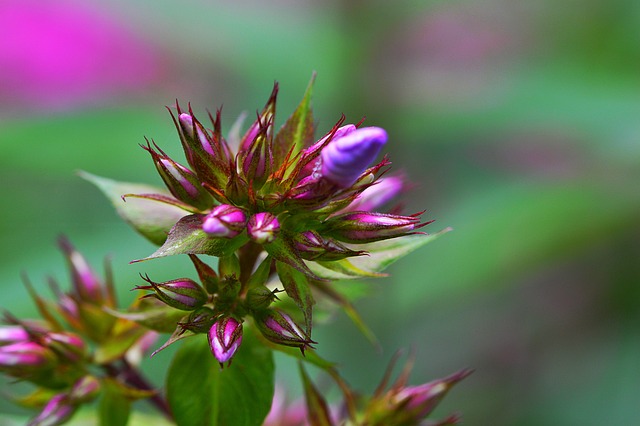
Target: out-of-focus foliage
(517, 121)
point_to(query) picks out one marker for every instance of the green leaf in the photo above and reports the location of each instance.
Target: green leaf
(151, 219)
(297, 287)
(297, 132)
(384, 253)
(114, 405)
(155, 316)
(187, 237)
(281, 250)
(344, 266)
(124, 335)
(200, 393)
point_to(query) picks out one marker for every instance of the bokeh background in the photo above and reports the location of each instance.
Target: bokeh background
(518, 122)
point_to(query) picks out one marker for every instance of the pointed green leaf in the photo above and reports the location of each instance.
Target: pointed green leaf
(345, 267)
(297, 287)
(384, 253)
(349, 309)
(187, 237)
(201, 394)
(281, 250)
(150, 218)
(155, 316)
(297, 131)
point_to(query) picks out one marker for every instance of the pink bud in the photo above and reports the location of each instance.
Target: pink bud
(186, 122)
(224, 221)
(280, 328)
(67, 345)
(263, 227)
(225, 336)
(377, 194)
(181, 293)
(363, 227)
(345, 158)
(25, 355)
(85, 282)
(57, 411)
(13, 334)
(85, 389)
(420, 400)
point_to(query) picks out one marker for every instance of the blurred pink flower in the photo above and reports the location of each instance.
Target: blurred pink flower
(57, 55)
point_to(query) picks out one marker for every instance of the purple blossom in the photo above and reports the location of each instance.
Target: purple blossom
(346, 157)
(225, 221)
(225, 336)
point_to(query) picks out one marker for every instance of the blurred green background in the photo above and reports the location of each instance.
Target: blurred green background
(517, 122)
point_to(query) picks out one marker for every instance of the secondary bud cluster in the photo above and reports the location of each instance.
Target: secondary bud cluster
(62, 359)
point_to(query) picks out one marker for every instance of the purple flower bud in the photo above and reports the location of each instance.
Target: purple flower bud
(419, 401)
(67, 345)
(225, 337)
(84, 390)
(280, 328)
(181, 293)
(86, 285)
(263, 227)
(225, 221)
(377, 194)
(186, 122)
(13, 334)
(25, 356)
(346, 157)
(364, 227)
(57, 411)
(182, 182)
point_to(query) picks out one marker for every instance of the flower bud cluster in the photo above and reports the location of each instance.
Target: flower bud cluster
(282, 195)
(61, 359)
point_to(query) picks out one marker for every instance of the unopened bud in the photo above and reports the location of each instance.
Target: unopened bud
(419, 401)
(280, 328)
(181, 293)
(57, 411)
(263, 227)
(224, 221)
(68, 345)
(225, 336)
(84, 390)
(183, 183)
(345, 158)
(377, 194)
(13, 334)
(363, 227)
(85, 282)
(199, 135)
(21, 357)
(259, 298)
